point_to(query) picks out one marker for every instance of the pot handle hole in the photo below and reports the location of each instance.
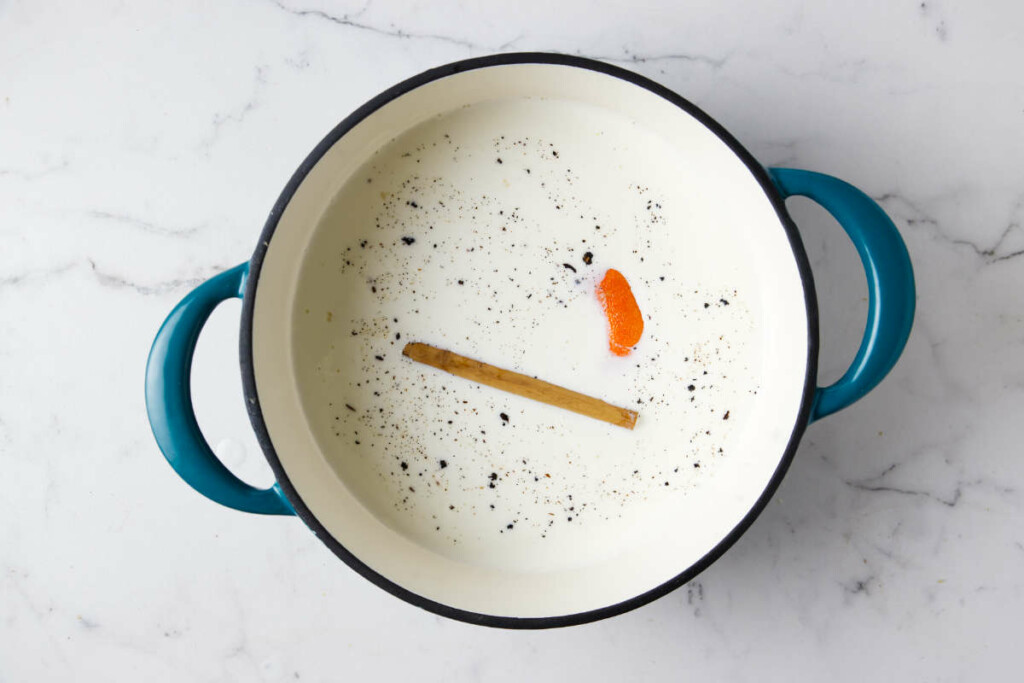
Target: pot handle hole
(890, 282)
(169, 402)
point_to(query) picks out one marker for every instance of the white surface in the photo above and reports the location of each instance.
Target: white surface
(141, 147)
(582, 515)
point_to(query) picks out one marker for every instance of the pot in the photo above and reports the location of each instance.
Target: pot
(481, 207)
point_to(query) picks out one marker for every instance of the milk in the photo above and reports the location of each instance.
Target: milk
(468, 232)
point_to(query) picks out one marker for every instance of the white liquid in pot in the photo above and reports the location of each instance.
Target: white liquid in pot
(457, 234)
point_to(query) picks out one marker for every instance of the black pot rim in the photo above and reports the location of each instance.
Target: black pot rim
(252, 395)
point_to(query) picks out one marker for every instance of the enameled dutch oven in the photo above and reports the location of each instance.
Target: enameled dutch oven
(474, 206)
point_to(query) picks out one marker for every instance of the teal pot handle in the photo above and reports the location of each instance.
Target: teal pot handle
(890, 282)
(169, 402)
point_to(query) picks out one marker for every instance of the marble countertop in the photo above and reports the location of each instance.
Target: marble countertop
(141, 147)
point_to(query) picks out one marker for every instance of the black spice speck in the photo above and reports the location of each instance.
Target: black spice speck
(691, 388)
(379, 357)
(503, 416)
(408, 240)
(723, 302)
(588, 258)
(569, 266)
(404, 465)
(443, 463)
(350, 407)
(726, 416)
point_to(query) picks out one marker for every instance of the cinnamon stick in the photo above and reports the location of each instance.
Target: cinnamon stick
(519, 384)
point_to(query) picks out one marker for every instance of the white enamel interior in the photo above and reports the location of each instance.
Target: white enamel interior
(716, 236)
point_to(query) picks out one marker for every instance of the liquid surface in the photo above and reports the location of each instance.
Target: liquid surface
(486, 231)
